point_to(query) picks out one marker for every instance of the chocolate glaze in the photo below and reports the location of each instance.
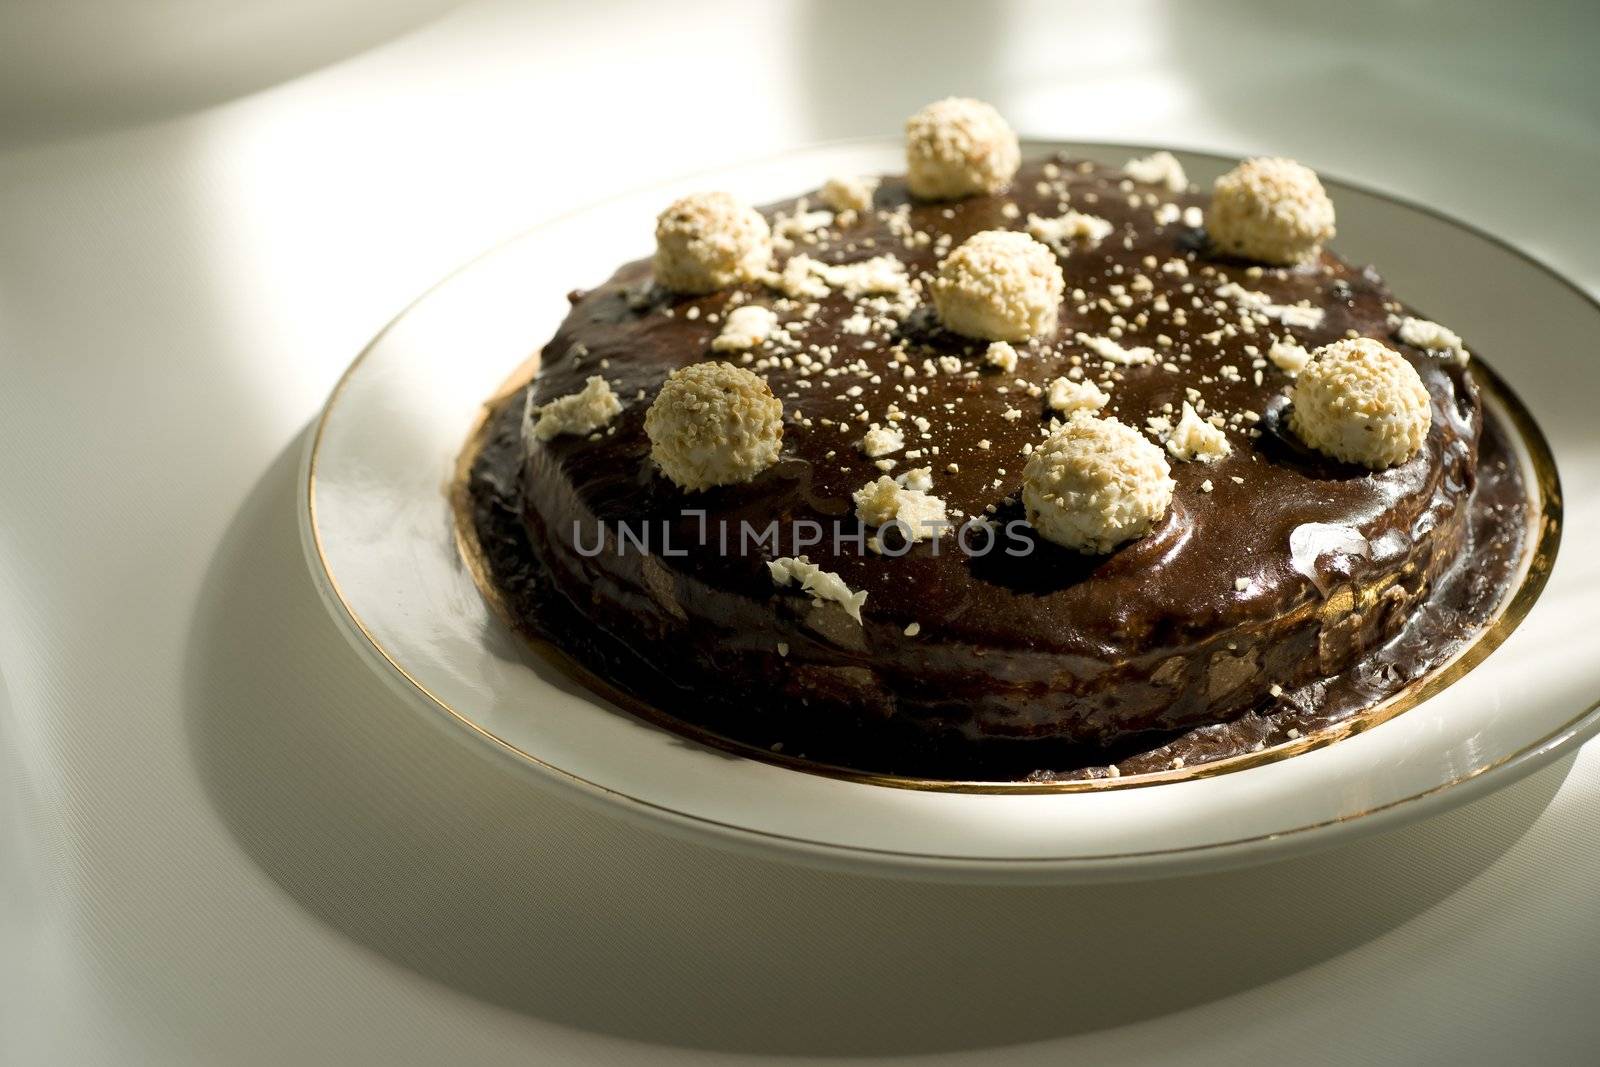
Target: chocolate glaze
(1047, 665)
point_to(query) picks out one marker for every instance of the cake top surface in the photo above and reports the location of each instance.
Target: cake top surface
(1194, 350)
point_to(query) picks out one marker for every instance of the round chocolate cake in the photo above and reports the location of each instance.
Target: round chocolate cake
(1051, 476)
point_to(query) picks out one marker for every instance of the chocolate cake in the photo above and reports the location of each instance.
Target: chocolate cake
(1120, 489)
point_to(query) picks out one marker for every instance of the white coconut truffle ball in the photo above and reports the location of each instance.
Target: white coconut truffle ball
(958, 147)
(1272, 210)
(999, 285)
(1360, 401)
(714, 424)
(1095, 483)
(709, 241)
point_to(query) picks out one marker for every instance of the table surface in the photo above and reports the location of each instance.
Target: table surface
(221, 839)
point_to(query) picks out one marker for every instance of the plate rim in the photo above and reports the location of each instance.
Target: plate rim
(1504, 771)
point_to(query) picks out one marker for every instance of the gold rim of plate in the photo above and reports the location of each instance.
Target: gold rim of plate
(1540, 546)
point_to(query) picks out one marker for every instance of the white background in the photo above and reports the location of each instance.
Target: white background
(221, 840)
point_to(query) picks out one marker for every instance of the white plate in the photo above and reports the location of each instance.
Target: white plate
(377, 529)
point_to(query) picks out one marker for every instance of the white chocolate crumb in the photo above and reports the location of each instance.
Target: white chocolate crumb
(1194, 439)
(959, 147)
(881, 441)
(1109, 349)
(878, 276)
(710, 241)
(1289, 356)
(1425, 333)
(585, 411)
(913, 629)
(849, 193)
(1360, 401)
(799, 227)
(1068, 397)
(745, 328)
(1159, 168)
(857, 325)
(1095, 483)
(823, 586)
(918, 478)
(800, 279)
(1241, 585)
(1000, 354)
(886, 500)
(999, 285)
(805, 278)
(1061, 232)
(1305, 318)
(1308, 318)
(714, 424)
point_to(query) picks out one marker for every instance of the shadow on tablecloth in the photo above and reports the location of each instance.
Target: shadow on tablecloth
(447, 860)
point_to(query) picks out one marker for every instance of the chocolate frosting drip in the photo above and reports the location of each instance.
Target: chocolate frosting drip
(1045, 663)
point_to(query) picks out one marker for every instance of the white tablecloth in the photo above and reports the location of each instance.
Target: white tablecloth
(221, 841)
